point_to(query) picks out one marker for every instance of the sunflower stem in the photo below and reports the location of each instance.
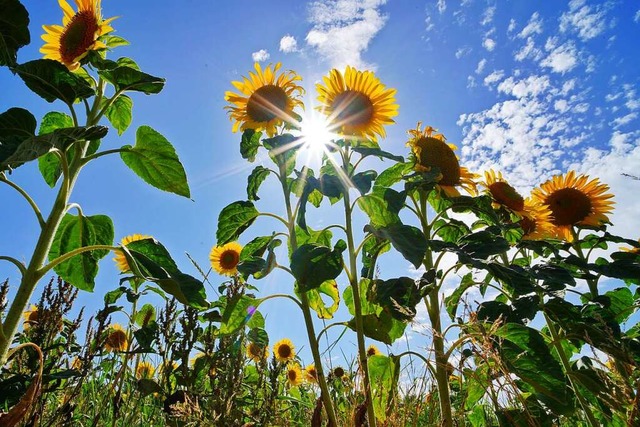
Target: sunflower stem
(592, 283)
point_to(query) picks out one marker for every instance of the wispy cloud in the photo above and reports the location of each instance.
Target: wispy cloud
(588, 22)
(481, 65)
(463, 51)
(561, 58)
(343, 29)
(487, 15)
(534, 26)
(442, 6)
(260, 56)
(288, 44)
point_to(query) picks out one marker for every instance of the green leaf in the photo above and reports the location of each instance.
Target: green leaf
(312, 264)
(382, 327)
(329, 289)
(392, 175)
(125, 78)
(257, 177)
(249, 144)
(154, 159)
(76, 232)
(363, 180)
(620, 302)
(451, 302)
(16, 125)
(145, 335)
(114, 41)
(366, 306)
(147, 387)
(237, 312)
(51, 80)
(14, 30)
(371, 250)
(145, 315)
(398, 296)
(451, 230)
(49, 164)
(233, 220)
(368, 151)
(378, 211)
(119, 113)
(258, 336)
(283, 150)
(407, 240)
(128, 62)
(384, 372)
(483, 244)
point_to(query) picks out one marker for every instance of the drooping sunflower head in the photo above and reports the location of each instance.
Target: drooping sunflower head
(284, 350)
(311, 374)
(502, 192)
(145, 370)
(256, 352)
(372, 350)
(120, 259)
(266, 99)
(79, 33)
(294, 374)
(536, 221)
(116, 338)
(575, 200)
(357, 103)
(225, 259)
(433, 151)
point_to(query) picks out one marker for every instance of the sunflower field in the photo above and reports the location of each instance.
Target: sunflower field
(188, 345)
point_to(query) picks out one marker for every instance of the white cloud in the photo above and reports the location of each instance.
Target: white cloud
(471, 82)
(512, 26)
(494, 77)
(463, 51)
(481, 65)
(261, 55)
(561, 58)
(632, 101)
(636, 17)
(624, 120)
(528, 51)
(343, 29)
(288, 44)
(489, 44)
(429, 25)
(442, 6)
(581, 18)
(531, 86)
(561, 105)
(487, 15)
(534, 26)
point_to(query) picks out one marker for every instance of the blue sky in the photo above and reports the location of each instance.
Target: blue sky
(531, 88)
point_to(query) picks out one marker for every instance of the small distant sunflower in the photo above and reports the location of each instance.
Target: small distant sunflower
(574, 200)
(433, 151)
(225, 259)
(256, 352)
(502, 192)
(145, 370)
(284, 350)
(338, 372)
(294, 374)
(79, 33)
(120, 259)
(357, 103)
(536, 221)
(311, 374)
(372, 350)
(267, 99)
(31, 317)
(116, 339)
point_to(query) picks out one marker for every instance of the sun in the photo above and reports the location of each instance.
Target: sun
(316, 132)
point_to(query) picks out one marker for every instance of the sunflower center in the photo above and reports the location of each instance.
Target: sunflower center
(267, 103)
(435, 153)
(292, 374)
(568, 206)
(78, 36)
(284, 351)
(229, 259)
(352, 108)
(117, 339)
(506, 195)
(528, 225)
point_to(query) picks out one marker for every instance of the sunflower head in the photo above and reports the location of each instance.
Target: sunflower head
(256, 352)
(266, 99)
(31, 317)
(357, 103)
(284, 350)
(120, 259)
(372, 350)
(433, 151)
(294, 374)
(575, 200)
(79, 33)
(311, 374)
(116, 339)
(225, 259)
(145, 370)
(502, 192)
(536, 221)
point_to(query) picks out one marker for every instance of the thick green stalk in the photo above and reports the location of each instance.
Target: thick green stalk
(306, 310)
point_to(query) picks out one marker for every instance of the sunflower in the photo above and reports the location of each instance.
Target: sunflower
(145, 370)
(502, 192)
(120, 259)
(267, 99)
(311, 374)
(256, 352)
(294, 374)
(536, 221)
(31, 317)
(338, 372)
(79, 33)
(224, 259)
(575, 200)
(357, 103)
(116, 339)
(284, 350)
(372, 350)
(433, 151)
